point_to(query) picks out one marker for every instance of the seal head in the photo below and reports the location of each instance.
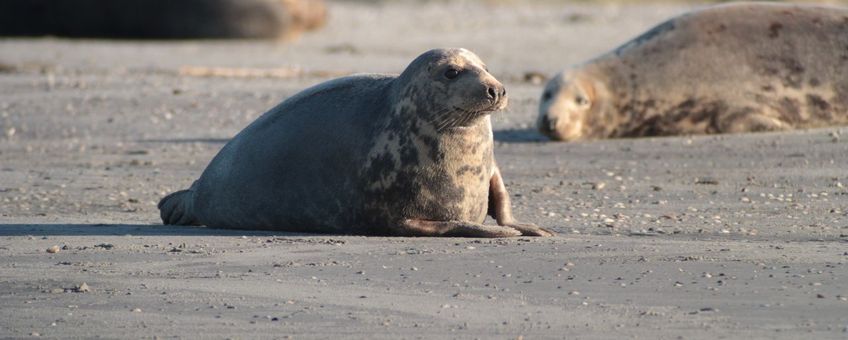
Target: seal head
(449, 88)
(570, 101)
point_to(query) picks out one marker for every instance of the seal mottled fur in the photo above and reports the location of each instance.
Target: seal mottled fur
(724, 69)
(407, 155)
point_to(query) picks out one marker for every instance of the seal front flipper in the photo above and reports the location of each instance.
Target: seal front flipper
(746, 121)
(177, 208)
(452, 229)
(501, 210)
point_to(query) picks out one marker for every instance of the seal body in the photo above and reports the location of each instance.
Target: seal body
(369, 154)
(729, 68)
(161, 19)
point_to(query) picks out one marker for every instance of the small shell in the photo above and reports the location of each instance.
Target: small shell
(83, 288)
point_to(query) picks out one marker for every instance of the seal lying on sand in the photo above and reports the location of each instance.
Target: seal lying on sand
(407, 155)
(161, 19)
(730, 68)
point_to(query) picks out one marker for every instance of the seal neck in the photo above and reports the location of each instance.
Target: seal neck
(610, 89)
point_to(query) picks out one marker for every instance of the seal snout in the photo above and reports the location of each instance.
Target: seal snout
(496, 94)
(547, 125)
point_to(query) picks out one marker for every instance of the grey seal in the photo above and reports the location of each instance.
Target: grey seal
(406, 155)
(731, 68)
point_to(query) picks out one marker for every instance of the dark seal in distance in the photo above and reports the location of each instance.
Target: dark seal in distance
(161, 19)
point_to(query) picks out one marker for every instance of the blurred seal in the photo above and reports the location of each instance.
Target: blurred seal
(407, 155)
(161, 19)
(725, 69)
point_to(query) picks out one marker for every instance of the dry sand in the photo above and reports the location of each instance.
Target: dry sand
(705, 237)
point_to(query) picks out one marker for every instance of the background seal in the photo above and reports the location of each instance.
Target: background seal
(729, 68)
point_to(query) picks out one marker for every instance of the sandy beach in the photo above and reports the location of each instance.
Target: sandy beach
(701, 237)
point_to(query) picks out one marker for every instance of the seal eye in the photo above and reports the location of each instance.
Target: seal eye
(580, 100)
(451, 73)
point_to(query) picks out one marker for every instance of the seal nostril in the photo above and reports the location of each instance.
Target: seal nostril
(548, 124)
(492, 93)
(503, 92)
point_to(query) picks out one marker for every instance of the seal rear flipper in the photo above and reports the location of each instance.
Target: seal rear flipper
(177, 208)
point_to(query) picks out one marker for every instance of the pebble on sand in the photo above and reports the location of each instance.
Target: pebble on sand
(83, 288)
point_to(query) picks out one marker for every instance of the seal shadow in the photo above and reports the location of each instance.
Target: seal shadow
(519, 136)
(131, 229)
(186, 140)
